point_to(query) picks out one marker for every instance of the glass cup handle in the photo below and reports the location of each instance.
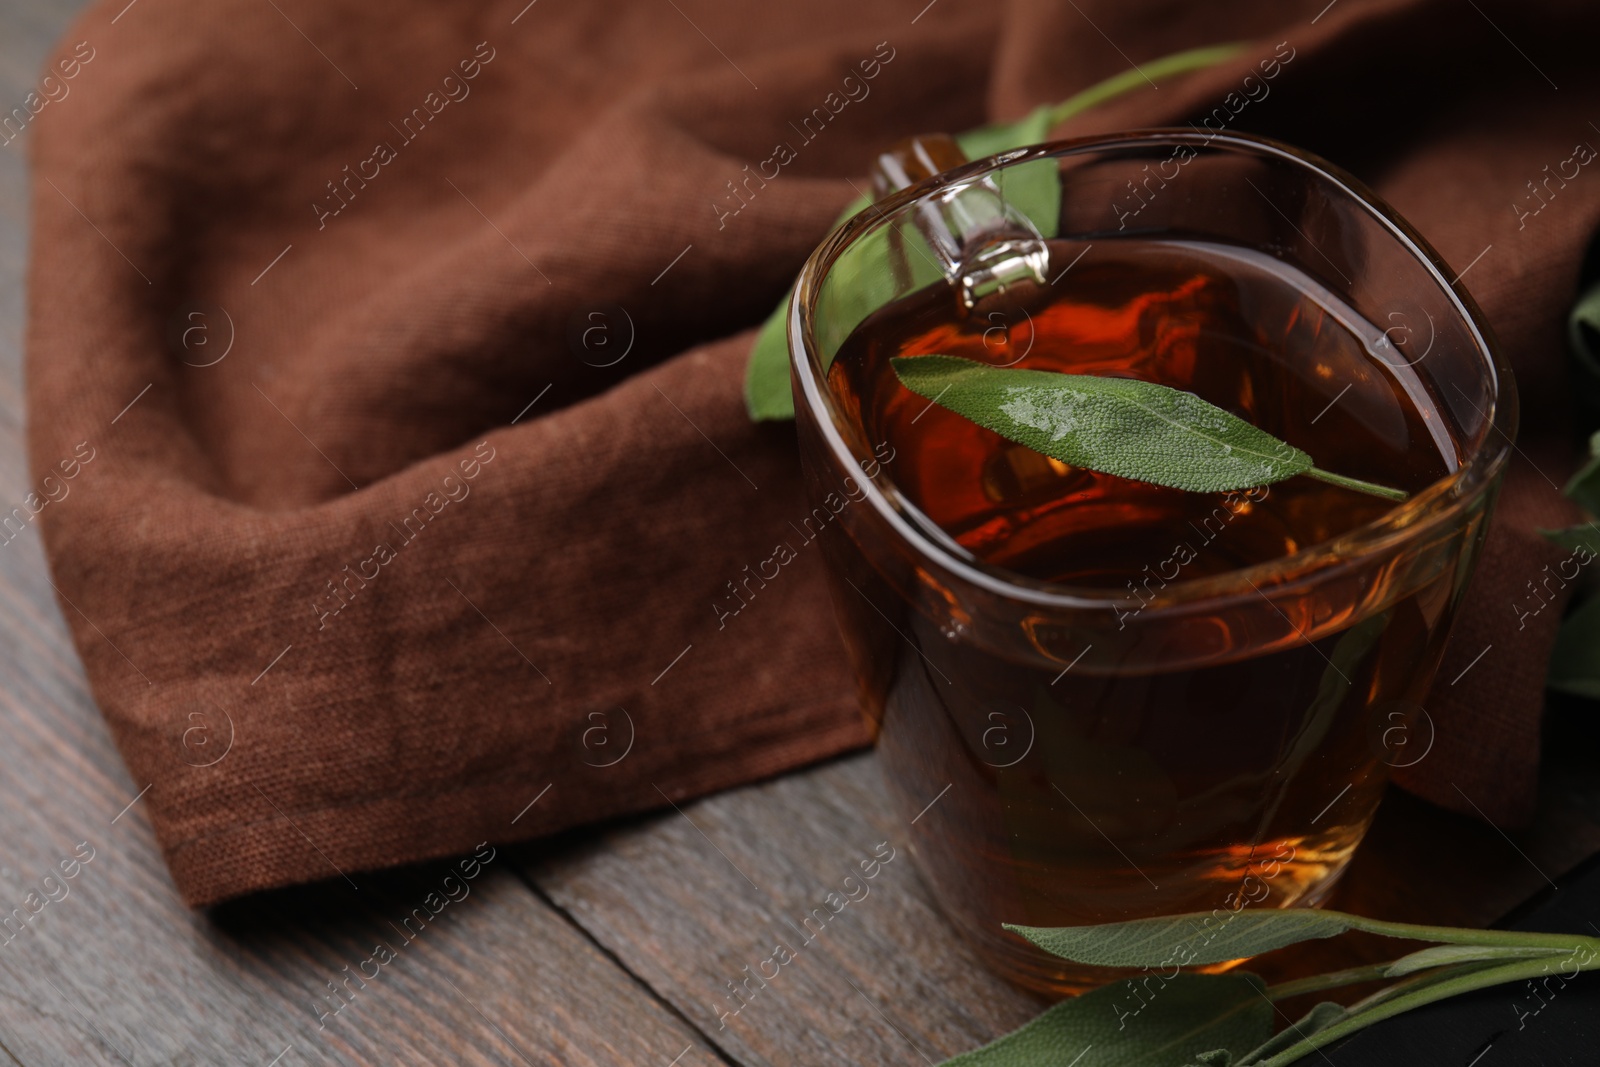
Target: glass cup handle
(984, 245)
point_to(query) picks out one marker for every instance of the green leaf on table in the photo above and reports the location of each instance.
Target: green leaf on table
(1585, 535)
(1416, 992)
(1575, 662)
(1185, 940)
(1450, 955)
(1320, 1017)
(1200, 938)
(1033, 188)
(1167, 1022)
(1583, 334)
(1196, 1023)
(1584, 486)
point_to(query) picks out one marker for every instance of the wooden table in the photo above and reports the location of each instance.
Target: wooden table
(609, 945)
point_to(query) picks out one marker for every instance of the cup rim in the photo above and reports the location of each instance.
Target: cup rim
(1426, 510)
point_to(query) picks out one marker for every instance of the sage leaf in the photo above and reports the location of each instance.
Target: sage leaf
(1450, 955)
(1583, 336)
(1414, 984)
(1036, 193)
(1033, 189)
(1201, 938)
(1172, 1017)
(1134, 429)
(1584, 536)
(1584, 486)
(1184, 940)
(1402, 998)
(1574, 664)
(861, 280)
(1575, 660)
(1122, 426)
(991, 140)
(1145, 1023)
(1320, 1017)
(767, 394)
(1036, 125)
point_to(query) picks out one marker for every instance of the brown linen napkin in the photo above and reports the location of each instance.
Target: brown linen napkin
(395, 353)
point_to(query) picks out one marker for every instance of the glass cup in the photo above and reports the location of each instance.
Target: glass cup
(1060, 759)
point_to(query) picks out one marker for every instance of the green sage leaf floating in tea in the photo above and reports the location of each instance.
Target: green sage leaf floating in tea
(1134, 429)
(1032, 188)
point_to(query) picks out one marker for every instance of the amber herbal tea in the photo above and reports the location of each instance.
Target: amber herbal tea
(1107, 681)
(1243, 776)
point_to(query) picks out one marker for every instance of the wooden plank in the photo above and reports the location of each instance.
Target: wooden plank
(29, 28)
(503, 978)
(118, 971)
(688, 900)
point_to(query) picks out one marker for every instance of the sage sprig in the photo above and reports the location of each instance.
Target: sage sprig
(1575, 659)
(766, 382)
(1134, 429)
(1172, 1019)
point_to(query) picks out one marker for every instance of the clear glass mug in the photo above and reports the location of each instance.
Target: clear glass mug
(1059, 759)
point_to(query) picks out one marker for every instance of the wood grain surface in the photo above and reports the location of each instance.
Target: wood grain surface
(690, 899)
(608, 946)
